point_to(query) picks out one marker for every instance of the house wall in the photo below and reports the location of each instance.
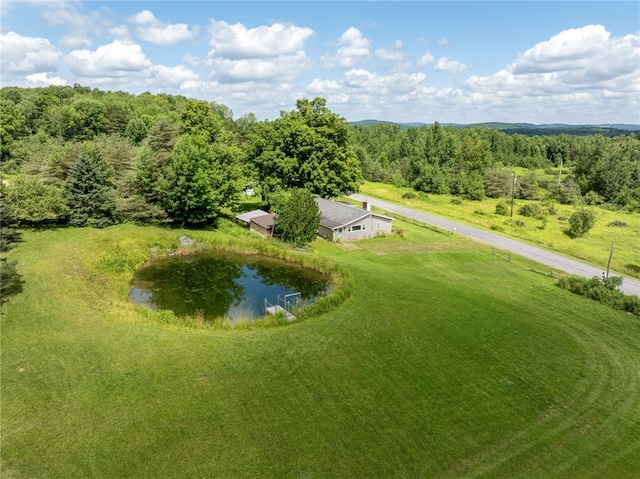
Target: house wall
(370, 227)
(259, 229)
(326, 232)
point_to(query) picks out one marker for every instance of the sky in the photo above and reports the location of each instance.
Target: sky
(575, 62)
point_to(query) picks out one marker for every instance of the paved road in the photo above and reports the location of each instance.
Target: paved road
(555, 261)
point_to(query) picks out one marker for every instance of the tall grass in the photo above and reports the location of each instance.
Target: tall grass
(549, 231)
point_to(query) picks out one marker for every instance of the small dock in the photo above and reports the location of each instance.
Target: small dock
(275, 309)
(283, 303)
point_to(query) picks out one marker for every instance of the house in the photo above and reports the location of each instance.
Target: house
(263, 224)
(344, 222)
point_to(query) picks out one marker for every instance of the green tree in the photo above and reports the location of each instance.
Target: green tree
(8, 223)
(201, 181)
(136, 130)
(580, 222)
(35, 202)
(198, 118)
(10, 279)
(90, 190)
(299, 219)
(306, 148)
(12, 127)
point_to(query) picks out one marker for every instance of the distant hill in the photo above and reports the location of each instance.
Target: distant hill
(527, 128)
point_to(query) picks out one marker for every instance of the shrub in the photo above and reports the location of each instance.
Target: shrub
(519, 223)
(531, 210)
(602, 291)
(502, 209)
(592, 198)
(581, 222)
(457, 201)
(497, 227)
(409, 195)
(618, 223)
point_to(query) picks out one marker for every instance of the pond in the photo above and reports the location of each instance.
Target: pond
(222, 285)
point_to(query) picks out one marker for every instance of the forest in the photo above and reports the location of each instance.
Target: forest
(80, 156)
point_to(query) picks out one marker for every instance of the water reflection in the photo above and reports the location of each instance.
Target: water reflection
(221, 285)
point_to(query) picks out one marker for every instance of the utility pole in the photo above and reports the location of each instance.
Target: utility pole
(610, 256)
(513, 193)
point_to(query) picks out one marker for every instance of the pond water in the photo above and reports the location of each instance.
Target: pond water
(222, 285)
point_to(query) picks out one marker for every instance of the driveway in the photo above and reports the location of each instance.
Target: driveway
(553, 260)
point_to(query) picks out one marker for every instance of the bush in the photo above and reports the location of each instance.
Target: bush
(457, 201)
(581, 222)
(531, 210)
(409, 195)
(519, 223)
(618, 223)
(605, 292)
(502, 209)
(592, 198)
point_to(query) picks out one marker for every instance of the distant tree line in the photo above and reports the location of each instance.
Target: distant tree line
(475, 162)
(80, 156)
(85, 157)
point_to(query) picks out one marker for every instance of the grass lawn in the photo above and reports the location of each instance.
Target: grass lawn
(551, 233)
(445, 362)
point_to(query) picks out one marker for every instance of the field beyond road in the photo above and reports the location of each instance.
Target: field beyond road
(539, 255)
(445, 362)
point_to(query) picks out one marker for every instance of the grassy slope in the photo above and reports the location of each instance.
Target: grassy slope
(445, 362)
(593, 248)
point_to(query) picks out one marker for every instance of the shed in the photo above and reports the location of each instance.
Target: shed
(263, 224)
(246, 217)
(345, 222)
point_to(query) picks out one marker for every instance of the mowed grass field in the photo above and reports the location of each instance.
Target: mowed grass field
(550, 233)
(445, 362)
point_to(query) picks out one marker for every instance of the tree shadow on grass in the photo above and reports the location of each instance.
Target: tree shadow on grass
(634, 268)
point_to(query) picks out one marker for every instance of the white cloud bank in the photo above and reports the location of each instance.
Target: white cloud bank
(152, 30)
(273, 53)
(27, 54)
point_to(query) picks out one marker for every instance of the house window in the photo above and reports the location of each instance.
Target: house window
(355, 228)
(378, 225)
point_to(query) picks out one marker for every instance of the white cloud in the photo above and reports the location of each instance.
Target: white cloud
(75, 41)
(574, 60)
(443, 42)
(354, 48)
(117, 59)
(271, 70)
(27, 54)
(272, 54)
(82, 26)
(236, 42)
(152, 30)
(43, 79)
(173, 76)
(449, 65)
(191, 60)
(392, 52)
(425, 60)
(121, 32)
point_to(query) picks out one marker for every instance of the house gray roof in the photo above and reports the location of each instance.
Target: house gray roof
(336, 214)
(246, 217)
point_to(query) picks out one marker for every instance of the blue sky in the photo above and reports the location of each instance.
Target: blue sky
(407, 61)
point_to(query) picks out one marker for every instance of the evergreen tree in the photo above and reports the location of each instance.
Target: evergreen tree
(10, 279)
(299, 219)
(91, 192)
